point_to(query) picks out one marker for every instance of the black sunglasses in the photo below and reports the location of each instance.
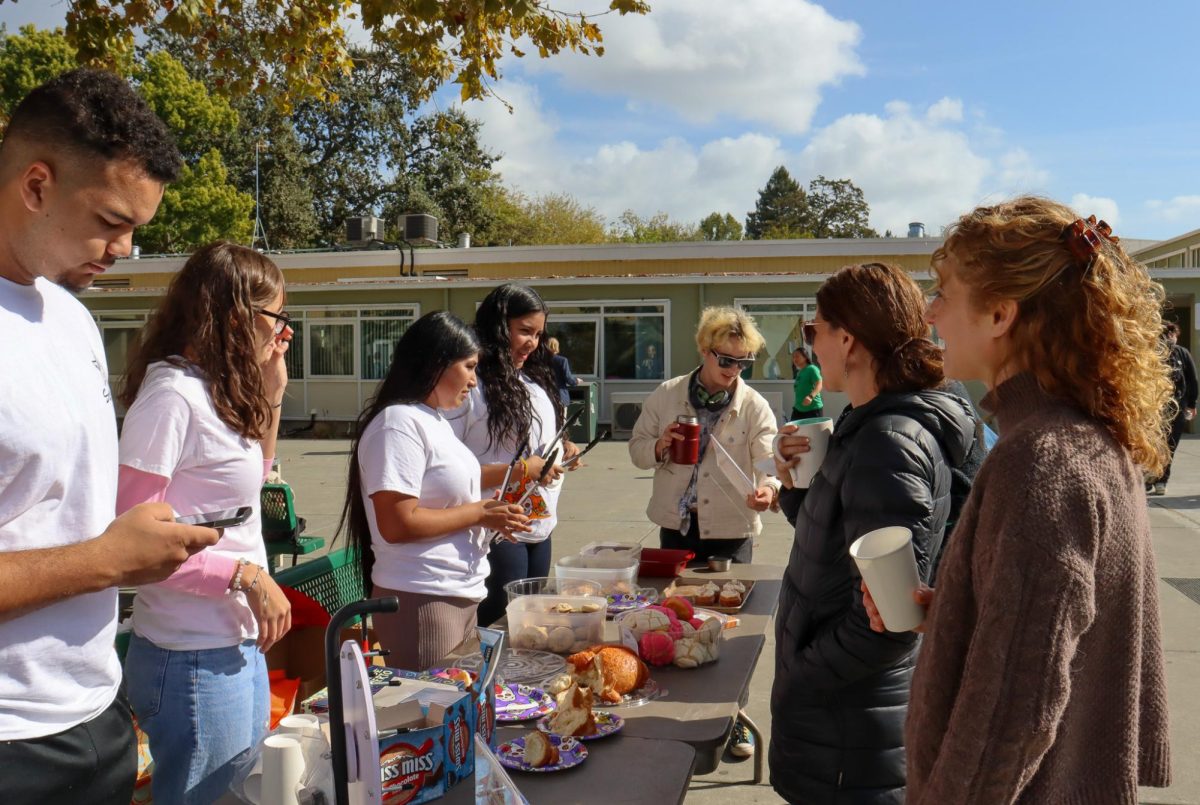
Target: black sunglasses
(282, 320)
(809, 329)
(728, 361)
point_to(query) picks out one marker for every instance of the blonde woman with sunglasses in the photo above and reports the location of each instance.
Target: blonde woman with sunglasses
(694, 505)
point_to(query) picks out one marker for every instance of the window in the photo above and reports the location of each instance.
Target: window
(379, 337)
(779, 322)
(633, 347)
(118, 331)
(294, 357)
(612, 340)
(577, 343)
(331, 349)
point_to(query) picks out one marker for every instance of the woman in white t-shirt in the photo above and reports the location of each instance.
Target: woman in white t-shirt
(414, 510)
(517, 395)
(204, 388)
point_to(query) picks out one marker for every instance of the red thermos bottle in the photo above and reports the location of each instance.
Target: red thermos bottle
(687, 450)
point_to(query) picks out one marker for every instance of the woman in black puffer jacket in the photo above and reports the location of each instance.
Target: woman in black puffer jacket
(840, 693)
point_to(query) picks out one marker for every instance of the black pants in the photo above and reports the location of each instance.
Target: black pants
(813, 414)
(739, 550)
(94, 763)
(1178, 424)
(511, 561)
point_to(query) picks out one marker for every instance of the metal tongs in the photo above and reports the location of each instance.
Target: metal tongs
(551, 459)
(517, 456)
(570, 462)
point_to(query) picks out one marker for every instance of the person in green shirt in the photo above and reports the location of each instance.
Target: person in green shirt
(807, 386)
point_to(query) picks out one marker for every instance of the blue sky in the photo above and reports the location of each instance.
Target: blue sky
(931, 108)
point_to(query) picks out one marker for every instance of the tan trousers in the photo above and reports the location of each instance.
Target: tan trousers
(424, 629)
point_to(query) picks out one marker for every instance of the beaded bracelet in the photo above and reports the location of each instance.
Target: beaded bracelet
(237, 576)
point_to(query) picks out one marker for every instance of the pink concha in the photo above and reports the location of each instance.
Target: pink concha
(657, 648)
(696, 623)
(676, 630)
(670, 613)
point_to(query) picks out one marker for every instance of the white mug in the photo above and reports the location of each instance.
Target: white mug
(818, 430)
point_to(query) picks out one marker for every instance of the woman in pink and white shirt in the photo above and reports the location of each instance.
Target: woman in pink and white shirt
(204, 388)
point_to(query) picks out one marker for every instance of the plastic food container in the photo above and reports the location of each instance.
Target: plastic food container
(548, 585)
(613, 554)
(665, 562)
(534, 622)
(621, 578)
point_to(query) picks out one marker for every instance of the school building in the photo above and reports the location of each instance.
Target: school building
(625, 314)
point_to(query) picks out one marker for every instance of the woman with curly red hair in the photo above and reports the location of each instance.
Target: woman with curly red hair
(1041, 674)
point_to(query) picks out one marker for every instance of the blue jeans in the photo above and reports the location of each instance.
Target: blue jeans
(200, 710)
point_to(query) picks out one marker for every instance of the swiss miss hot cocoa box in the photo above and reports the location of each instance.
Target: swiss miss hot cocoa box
(425, 740)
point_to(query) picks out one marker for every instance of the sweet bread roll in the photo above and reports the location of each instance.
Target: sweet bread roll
(540, 750)
(573, 715)
(731, 598)
(620, 670)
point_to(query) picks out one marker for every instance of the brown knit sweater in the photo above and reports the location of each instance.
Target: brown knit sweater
(1041, 675)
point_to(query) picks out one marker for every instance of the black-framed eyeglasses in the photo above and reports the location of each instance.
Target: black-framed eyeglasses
(282, 320)
(728, 361)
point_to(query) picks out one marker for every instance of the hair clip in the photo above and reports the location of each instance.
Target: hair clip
(1083, 238)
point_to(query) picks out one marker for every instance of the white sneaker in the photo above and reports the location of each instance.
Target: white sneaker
(741, 741)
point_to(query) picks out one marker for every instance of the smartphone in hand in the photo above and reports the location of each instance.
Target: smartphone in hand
(218, 519)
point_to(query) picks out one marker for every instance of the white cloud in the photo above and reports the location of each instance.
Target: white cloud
(1178, 209)
(757, 60)
(1103, 208)
(910, 166)
(913, 164)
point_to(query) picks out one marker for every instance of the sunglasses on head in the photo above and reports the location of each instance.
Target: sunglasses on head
(728, 361)
(282, 320)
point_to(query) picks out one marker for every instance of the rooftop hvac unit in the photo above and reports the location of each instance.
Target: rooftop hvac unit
(419, 228)
(363, 228)
(626, 408)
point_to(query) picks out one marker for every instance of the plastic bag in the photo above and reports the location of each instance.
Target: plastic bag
(316, 784)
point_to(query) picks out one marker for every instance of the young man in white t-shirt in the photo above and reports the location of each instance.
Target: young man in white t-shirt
(83, 162)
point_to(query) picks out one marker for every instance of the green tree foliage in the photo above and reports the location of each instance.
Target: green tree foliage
(716, 226)
(838, 209)
(552, 219)
(201, 207)
(830, 208)
(658, 228)
(28, 59)
(199, 120)
(300, 46)
(781, 210)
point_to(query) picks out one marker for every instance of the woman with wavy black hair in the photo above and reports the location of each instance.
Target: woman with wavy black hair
(517, 396)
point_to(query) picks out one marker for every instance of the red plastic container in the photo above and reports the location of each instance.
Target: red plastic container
(664, 562)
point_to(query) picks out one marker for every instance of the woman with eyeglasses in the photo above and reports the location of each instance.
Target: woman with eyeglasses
(517, 397)
(1041, 677)
(695, 506)
(840, 693)
(204, 387)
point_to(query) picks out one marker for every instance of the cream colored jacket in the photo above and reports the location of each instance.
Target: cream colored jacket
(746, 429)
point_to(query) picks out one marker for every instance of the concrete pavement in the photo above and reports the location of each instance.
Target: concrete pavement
(607, 500)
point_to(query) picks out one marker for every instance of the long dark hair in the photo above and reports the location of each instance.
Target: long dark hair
(210, 308)
(427, 349)
(884, 309)
(510, 410)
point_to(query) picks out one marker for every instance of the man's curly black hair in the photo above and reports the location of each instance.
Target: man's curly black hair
(95, 113)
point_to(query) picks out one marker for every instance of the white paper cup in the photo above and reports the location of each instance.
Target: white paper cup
(299, 724)
(818, 430)
(283, 768)
(889, 567)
